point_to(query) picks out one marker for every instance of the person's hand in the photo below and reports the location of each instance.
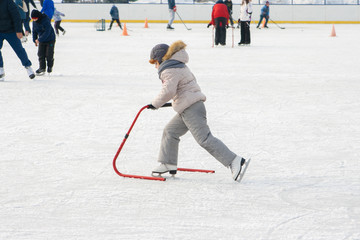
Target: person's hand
(174, 9)
(19, 35)
(150, 106)
(36, 42)
(227, 26)
(208, 25)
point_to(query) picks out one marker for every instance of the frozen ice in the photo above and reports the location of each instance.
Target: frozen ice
(290, 101)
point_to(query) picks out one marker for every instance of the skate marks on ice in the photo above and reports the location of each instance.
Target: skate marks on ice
(288, 221)
(322, 210)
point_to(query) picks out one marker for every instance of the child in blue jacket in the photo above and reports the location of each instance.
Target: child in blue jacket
(44, 37)
(265, 10)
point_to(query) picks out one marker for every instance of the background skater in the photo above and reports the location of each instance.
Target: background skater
(265, 13)
(172, 10)
(114, 12)
(245, 19)
(44, 38)
(220, 19)
(57, 19)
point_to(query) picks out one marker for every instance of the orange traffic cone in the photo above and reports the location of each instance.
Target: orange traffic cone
(333, 33)
(146, 23)
(263, 23)
(125, 31)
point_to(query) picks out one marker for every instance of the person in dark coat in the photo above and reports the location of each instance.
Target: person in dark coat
(44, 37)
(220, 19)
(114, 12)
(229, 5)
(11, 31)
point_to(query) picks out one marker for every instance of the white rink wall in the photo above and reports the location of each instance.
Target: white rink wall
(201, 13)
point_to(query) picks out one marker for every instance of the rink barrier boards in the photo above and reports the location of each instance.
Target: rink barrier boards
(206, 22)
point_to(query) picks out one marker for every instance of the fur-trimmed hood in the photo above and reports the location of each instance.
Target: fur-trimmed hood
(177, 52)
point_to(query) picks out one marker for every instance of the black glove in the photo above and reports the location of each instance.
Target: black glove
(227, 25)
(150, 106)
(208, 25)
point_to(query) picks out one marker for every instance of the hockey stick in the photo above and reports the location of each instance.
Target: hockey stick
(232, 37)
(182, 21)
(277, 24)
(147, 177)
(213, 37)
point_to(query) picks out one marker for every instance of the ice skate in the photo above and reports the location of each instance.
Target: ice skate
(169, 27)
(2, 74)
(40, 72)
(49, 70)
(23, 39)
(236, 167)
(30, 72)
(164, 168)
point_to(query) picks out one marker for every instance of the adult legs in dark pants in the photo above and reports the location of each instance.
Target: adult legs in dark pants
(118, 22)
(16, 45)
(245, 32)
(220, 30)
(46, 55)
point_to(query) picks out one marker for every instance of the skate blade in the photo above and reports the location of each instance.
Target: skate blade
(245, 166)
(156, 174)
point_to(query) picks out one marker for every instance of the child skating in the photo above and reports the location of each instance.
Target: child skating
(179, 84)
(57, 19)
(44, 38)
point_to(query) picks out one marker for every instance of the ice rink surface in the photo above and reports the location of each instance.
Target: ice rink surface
(291, 101)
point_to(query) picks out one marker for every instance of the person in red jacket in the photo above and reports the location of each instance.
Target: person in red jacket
(220, 19)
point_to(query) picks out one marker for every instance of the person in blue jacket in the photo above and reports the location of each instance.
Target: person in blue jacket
(48, 8)
(44, 37)
(265, 11)
(11, 31)
(114, 12)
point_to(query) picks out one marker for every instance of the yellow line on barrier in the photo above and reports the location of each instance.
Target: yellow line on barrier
(205, 22)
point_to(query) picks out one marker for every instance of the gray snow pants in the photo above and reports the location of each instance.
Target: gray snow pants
(193, 119)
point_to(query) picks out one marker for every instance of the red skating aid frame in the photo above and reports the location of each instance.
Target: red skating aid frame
(147, 177)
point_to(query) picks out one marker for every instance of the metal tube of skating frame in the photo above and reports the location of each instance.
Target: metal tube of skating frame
(195, 170)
